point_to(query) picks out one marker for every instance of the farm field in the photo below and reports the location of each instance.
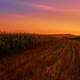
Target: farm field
(42, 58)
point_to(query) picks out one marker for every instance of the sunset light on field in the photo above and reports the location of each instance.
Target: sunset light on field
(40, 16)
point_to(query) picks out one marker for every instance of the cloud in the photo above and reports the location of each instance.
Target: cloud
(37, 5)
(47, 7)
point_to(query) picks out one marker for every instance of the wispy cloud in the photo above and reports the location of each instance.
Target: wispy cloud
(37, 5)
(47, 7)
(42, 6)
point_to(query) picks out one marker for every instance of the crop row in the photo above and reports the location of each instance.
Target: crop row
(10, 43)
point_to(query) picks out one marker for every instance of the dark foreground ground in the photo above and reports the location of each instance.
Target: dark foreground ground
(53, 60)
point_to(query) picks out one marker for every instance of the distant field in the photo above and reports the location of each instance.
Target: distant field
(39, 57)
(12, 43)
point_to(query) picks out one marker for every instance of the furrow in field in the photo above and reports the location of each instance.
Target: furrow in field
(76, 65)
(36, 67)
(55, 62)
(72, 71)
(33, 58)
(57, 71)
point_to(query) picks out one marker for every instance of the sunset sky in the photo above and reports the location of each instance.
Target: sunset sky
(40, 16)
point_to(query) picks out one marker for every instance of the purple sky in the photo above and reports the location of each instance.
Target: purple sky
(21, 6)
(62, 15)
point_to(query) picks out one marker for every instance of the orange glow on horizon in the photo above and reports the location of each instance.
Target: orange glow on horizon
(41, 25)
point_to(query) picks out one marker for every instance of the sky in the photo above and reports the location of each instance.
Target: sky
(40, 16)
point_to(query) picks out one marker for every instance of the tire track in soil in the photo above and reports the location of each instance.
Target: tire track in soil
(57, 71)
(76, 65)
(73, 69)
